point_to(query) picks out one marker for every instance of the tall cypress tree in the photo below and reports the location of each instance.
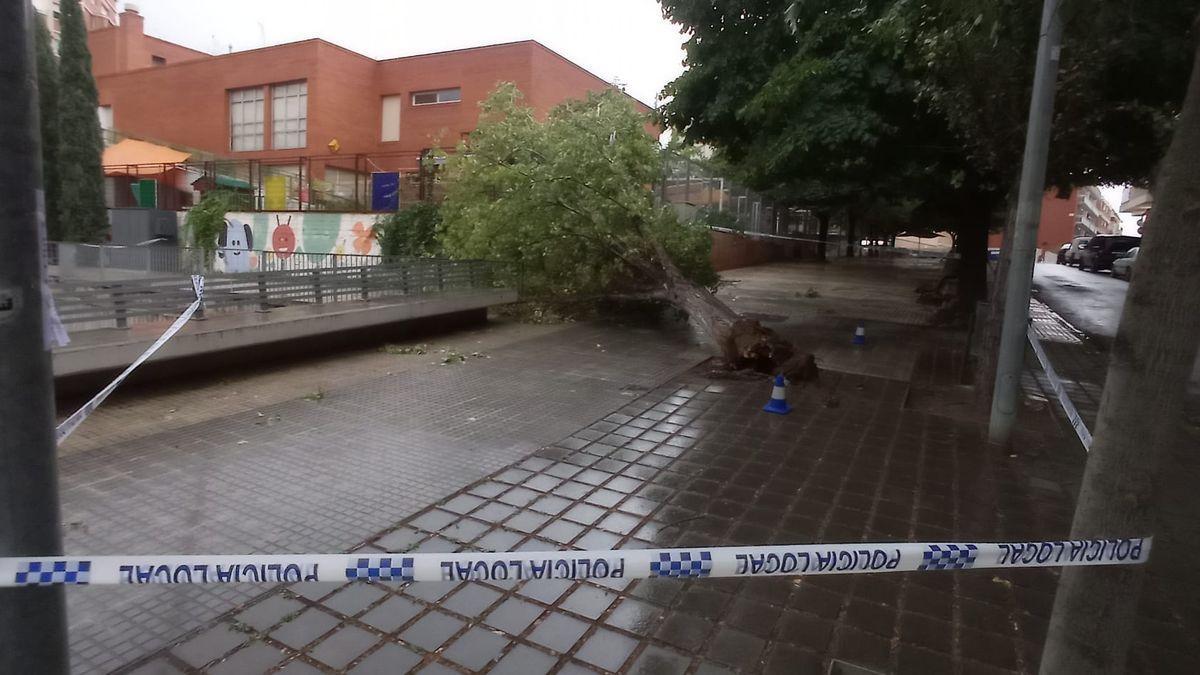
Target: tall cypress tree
(82, 213)
(47, 66)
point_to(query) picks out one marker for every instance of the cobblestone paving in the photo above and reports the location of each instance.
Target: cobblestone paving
(692, 464)
(324, 472)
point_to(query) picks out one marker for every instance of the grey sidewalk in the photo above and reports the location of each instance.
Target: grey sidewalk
(322, 475)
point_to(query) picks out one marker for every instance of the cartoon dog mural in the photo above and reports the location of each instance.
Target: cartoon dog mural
(234, 245)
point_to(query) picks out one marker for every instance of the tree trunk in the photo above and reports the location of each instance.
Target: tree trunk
(972, 268)
(1140, 427)
(988, 326)
(743, 343)
(822, 234)
(851, 223)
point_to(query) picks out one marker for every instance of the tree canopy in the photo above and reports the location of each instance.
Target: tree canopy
(913, 98)
(47, 69)
(81, 200)
(410, 232)
(567, 199)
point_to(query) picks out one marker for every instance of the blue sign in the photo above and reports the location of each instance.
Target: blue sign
(385, 191)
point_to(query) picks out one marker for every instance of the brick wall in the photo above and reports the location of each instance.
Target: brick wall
(185, 101)
(731, 250)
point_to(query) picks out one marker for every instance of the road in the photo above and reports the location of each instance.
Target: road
(1091, 301)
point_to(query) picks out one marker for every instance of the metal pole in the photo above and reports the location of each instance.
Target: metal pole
(1011, 357)
(33, 627)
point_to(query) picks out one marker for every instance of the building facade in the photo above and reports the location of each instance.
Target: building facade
(1082, 213)
(96, 14)
(344, 113)
(1139, 202)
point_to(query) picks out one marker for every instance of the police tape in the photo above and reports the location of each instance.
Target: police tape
(677, 563)
(71, 423)
(1064, 400)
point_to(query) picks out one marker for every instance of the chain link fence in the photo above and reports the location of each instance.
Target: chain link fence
(698, 190)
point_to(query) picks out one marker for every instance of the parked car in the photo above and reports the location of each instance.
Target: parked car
(1062, 254)
(1077, 246)
(1102, 250)
(1122, 267)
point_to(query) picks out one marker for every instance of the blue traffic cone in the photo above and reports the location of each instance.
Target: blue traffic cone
(778, 403)
(860, 335)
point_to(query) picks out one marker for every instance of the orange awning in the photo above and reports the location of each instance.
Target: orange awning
(139, 158)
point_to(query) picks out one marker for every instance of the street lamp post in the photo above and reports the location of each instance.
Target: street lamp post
(1011, 357)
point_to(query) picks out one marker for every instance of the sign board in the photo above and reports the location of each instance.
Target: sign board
(385, 191)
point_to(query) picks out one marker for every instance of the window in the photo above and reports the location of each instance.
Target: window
(246, 119)
(158, 60)
(289, 115)
(390, 129)
(439, 96)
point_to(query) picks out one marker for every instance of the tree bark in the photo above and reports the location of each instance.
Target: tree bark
(972, 269)
(988, 326)
(1140, 425)
(743, 343)
(851, 227)
(822, 234)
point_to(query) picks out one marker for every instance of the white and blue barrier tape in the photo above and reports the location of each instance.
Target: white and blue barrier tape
(1064, 400)
(71, 423)
(678, 563)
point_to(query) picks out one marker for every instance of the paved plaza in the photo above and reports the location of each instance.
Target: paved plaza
(590, 436)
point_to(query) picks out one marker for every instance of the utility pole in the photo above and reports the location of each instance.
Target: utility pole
(1011, 357)
(33, 631)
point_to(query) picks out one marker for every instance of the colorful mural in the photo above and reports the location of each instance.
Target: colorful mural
(287, 233)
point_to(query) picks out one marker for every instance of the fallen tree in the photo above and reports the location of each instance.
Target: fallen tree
(566, 201)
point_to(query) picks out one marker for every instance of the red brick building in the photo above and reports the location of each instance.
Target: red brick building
(1082, 213)
(160, 90)
(294, 100)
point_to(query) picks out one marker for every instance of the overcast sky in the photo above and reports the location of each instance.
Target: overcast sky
(625, 40)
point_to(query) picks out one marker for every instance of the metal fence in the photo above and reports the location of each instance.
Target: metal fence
(107, 262)
(334, 183)
(101, 304)
(697, 190)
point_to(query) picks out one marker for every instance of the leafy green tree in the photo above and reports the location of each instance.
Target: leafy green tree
(47, 65)
(410, 232)
(81, 201)
(925, 101)
(813, 108)
(568, 202)
(206, 221)
(1121, 79)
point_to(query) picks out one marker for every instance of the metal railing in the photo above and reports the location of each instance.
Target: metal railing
(102, 304)
(697, 190)
(108, 262)
(332, 183)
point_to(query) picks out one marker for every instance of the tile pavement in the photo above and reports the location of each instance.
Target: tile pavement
(322, 475)
(695, 463)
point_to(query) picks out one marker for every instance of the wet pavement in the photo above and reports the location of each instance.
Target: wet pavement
(693, 461)
(697, 463)
(1091, 301)
(321, 465)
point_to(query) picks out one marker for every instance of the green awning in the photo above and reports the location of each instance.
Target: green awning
(231, 182)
